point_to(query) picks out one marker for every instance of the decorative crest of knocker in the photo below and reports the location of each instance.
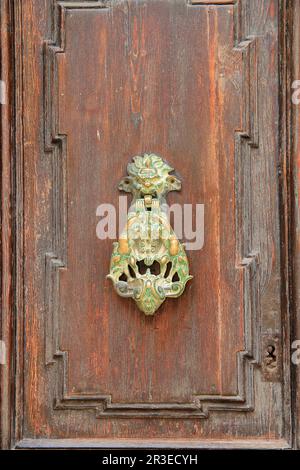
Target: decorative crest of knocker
(148, 263)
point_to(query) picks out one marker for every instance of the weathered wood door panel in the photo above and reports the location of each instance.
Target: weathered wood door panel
(196, 82)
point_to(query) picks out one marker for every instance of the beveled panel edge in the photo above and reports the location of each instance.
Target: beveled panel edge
(263, 443)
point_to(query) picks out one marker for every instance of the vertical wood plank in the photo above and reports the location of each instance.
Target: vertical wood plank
(6, 320)
(293, 65)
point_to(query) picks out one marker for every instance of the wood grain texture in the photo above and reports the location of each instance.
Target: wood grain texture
(151, 444)
(6, 313)
(103, 401)
(103, 81)
(292, 213)
(295, 195)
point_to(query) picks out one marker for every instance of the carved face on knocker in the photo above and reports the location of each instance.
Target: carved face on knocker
(148, 263)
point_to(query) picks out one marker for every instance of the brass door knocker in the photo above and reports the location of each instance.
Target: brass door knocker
(148, 263)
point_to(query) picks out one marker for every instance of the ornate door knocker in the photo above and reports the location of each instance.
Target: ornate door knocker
(148, 263)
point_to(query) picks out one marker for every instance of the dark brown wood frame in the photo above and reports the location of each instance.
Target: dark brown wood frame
(11, 213)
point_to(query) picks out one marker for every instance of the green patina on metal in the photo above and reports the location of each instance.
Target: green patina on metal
(148, 263)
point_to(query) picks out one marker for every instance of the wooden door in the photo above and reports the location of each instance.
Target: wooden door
(93, 84)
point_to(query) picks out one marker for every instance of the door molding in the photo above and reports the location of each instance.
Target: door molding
(250, 265)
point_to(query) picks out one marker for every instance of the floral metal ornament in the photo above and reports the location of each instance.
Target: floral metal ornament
(148, 263)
